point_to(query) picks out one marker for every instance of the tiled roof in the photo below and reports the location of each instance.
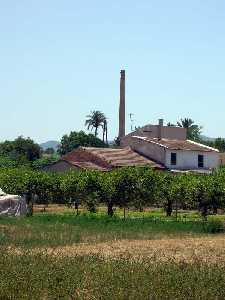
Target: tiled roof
(87, 165)
(186, 145)
(107, 158)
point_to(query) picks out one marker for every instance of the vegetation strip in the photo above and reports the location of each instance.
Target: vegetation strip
(127, 187)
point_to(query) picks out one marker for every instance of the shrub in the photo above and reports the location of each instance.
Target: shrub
(214, 226)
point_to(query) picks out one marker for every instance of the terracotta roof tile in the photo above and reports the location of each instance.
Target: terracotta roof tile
(186, 145)
(87, 165)
(107, 158)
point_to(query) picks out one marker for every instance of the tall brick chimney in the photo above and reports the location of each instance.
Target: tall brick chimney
(122, 105)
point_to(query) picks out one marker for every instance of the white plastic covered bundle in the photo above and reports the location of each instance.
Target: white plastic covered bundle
(12, 205)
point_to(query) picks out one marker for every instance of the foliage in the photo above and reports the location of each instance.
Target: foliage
(95, 120)
(7, 162)
(89, 186)
(218, 143)
(214, 226)
(44, 161)
(125, 187)
(193, 130)
(76, 139)
(50, 151)
(21, 149)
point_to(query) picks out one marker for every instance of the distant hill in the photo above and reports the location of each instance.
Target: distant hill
(50, 144)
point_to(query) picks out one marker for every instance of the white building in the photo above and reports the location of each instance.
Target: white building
(168, 146)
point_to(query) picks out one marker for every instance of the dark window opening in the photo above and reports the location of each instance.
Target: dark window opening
(201, 161)
(173, 159)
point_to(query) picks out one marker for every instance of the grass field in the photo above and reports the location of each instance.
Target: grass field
(58, 255)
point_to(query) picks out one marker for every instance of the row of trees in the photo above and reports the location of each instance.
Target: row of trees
(126, 187)
(25, 152)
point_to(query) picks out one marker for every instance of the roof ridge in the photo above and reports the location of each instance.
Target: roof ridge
(202, 145)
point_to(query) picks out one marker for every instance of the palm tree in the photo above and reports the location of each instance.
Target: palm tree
(193, 130)
(95, 120)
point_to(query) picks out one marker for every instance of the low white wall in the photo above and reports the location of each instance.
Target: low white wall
(189, 159)
(152, 151)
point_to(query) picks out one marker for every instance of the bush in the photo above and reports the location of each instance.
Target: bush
(214, 226)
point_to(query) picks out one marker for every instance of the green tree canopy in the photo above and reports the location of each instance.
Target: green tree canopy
(219, 144)
(49, 151)
(193, 130)
(76, 139)
(21, 149)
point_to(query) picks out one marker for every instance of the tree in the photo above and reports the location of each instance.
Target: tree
(49, 151)
(171, 124)
(193, 130)
(89, 187)
(7, 162)
(21, 149)
(220, 144)
(44, 161)
(95, 120)
(166, 195)
(69, 187)
(125, 187)
(107, 191)
(146, 189)
(76, 139)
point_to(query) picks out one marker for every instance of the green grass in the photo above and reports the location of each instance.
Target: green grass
(65, 229)
(89, 277)
(28, 275)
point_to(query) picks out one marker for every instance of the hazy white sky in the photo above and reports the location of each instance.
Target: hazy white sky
(61, 59)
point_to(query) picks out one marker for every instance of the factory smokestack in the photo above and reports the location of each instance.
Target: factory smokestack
(122, 105)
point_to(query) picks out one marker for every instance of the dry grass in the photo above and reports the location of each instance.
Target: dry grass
(51, 208)
(207, 249)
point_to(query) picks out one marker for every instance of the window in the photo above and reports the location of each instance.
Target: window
(200, 161)
(173, 159)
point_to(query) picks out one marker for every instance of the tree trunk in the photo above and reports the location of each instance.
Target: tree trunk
(169, 209)
(29, 201)
(76, 206)
(96, 131)
(215, 210)
(110, 209)
(141, 208)
(124, 213)
(204, 211)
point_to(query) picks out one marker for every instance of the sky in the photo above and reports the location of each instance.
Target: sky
(59, 60)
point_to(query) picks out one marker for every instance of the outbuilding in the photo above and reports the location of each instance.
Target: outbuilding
(102, 159)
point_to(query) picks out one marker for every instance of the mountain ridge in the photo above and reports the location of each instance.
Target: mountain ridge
(49, 144)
